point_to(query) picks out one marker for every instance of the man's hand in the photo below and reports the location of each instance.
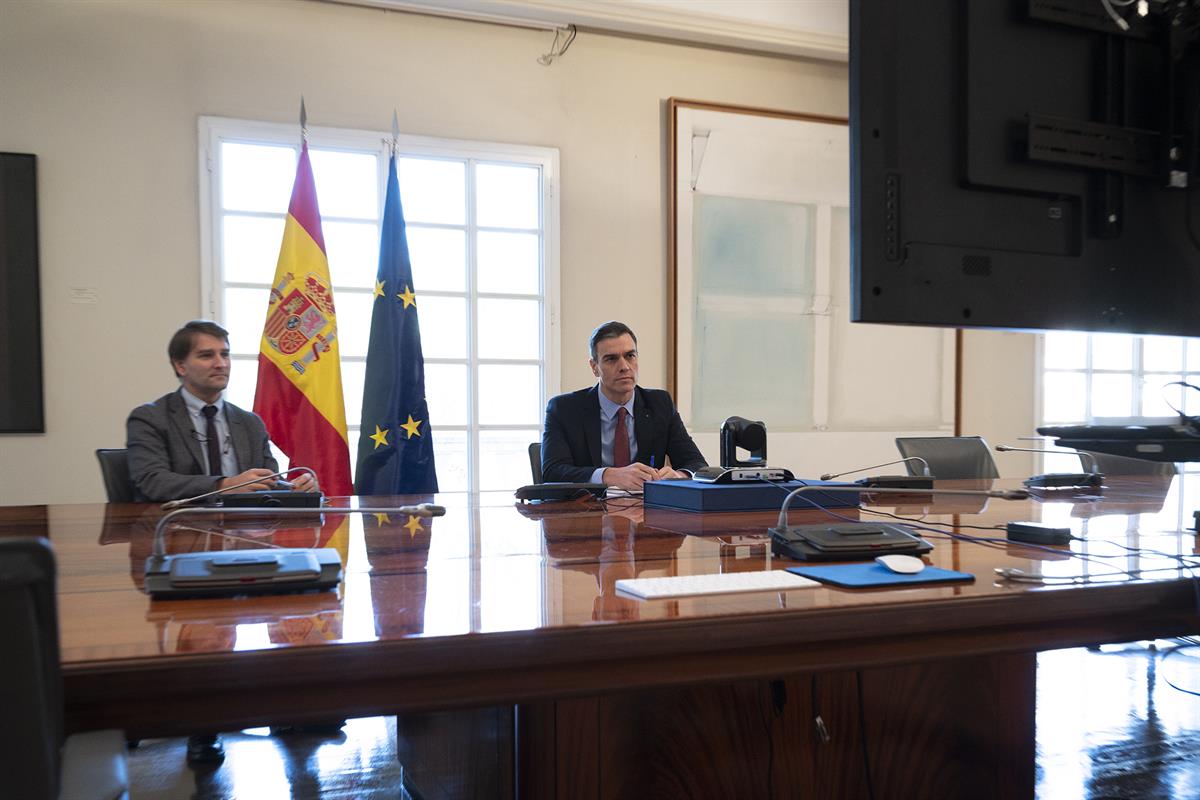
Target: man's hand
(304, 483)
(266, 482)
(629, 478)
(668, 474)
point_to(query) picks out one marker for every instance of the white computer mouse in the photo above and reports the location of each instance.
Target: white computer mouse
(905, 565)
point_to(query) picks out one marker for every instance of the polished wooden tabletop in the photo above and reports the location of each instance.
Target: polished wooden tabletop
(497, 602)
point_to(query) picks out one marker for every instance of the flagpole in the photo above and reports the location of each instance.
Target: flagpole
(303, 121)
(395, 133)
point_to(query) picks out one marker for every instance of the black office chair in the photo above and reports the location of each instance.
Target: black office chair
(35, 760)
(949, 457)
(114, 469)
(535, 461)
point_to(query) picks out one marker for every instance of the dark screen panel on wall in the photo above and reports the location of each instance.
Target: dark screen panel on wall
(21, 409)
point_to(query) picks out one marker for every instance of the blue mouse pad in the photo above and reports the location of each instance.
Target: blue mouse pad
(870, 574)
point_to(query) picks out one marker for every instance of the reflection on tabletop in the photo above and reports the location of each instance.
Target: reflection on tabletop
(488, 567)
(1145, 495)
(609, 547)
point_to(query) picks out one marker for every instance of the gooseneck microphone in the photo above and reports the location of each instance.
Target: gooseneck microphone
(924, 463)
(170, 504)
(258, 570)
(1084, 456)
(850, 540)
(1003, 494)
(1060, 480)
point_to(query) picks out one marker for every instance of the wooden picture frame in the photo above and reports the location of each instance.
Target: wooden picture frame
(758, 318)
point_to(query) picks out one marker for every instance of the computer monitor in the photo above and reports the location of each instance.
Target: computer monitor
(1026, 165)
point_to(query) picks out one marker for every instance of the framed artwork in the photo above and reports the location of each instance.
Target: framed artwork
(759, 251)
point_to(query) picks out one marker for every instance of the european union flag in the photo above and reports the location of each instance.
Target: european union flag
(395, 447)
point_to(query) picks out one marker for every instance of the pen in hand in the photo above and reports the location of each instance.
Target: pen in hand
(659, 474)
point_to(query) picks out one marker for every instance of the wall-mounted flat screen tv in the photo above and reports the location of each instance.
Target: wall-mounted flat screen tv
(1026, 164)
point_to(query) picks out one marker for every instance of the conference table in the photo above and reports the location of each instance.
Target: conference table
(515, 667)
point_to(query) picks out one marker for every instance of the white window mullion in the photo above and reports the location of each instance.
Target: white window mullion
(473, 435)
(1138, 377)
(1087, 379)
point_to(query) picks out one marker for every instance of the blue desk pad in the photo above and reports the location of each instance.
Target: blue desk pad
(870, 575)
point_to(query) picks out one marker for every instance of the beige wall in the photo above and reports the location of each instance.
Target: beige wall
(999, 394)
(107, 95)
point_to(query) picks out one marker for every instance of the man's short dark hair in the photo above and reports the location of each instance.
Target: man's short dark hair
(609, 330)
(181, 342)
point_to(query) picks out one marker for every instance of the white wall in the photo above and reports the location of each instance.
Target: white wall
(107, 95)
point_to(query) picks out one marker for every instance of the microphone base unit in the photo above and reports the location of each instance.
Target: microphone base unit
(896, 482)
(846, 541)
(237, 572)
(559, 491)
(272, 498)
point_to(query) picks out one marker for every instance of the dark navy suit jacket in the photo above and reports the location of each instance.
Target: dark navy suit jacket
(571, 438)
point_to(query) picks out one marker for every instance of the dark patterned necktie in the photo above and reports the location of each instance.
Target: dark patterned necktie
(213, 441)
(621, 440)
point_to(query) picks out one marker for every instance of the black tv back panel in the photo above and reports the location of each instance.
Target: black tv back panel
(1025, 164)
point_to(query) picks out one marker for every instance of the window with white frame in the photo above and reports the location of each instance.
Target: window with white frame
(1087, 378)
(1094, 378)
(482, 233)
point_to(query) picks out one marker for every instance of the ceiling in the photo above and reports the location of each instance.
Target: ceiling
(802, 28)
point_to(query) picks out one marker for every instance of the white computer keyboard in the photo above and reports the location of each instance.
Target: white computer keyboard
(771, 580)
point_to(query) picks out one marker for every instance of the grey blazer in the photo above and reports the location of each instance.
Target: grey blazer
(166, 462)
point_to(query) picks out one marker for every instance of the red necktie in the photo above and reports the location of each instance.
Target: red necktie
(621, 442)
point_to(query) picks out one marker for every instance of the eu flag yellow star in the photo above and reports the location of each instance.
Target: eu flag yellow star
(408, 297)
(380, 437)
(382, 519)
(379, 289)
(412, 426)
(413, 525)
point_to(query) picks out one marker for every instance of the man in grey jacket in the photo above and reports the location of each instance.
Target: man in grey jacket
(192, 441)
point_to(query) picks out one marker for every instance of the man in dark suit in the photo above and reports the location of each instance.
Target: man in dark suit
(191, 441)
(616, 433)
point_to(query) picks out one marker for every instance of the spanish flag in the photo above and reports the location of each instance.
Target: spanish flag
(299, 394)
